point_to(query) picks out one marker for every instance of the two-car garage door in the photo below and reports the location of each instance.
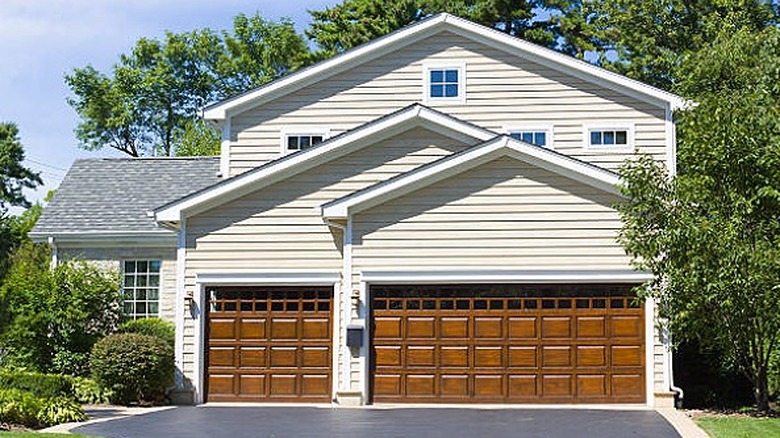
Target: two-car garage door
(507, 344)
(462, 343)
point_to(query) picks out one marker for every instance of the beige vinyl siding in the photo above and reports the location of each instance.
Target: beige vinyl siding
(111, 257)
(503, 214)
(502, 90)
(280, 226)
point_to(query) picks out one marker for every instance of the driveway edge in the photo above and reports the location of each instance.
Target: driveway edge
(682, 423)
(102, 414)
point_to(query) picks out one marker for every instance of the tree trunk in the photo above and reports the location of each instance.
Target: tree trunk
(761, 389)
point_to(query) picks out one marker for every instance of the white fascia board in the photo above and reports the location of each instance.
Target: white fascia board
(145, 238)
(555, 274)
(250, 181)
(557, 60)
(276, 278)
(323, 70)
(453, 165)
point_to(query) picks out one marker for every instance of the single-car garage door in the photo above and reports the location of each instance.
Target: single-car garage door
(507, 344)
(269, 344)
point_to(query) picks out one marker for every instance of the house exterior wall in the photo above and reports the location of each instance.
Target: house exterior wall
(280, 227)
(111, 257)
(502, 91)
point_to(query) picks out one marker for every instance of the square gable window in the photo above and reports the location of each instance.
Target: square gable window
(444, 83)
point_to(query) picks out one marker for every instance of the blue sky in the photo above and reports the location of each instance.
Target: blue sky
(41, 40)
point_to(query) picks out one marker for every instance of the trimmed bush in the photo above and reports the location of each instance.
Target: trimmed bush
(20, 407)
(89, 392)
(136, 368)
(39, 384)
(60, 410)
(152, 327)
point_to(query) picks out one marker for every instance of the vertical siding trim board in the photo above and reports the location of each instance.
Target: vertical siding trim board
(671, 141)
(649, 354)
(181, 255)
(224, 150)
(346, 302)
(277, 278)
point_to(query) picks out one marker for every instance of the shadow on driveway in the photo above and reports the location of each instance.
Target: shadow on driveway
(278, 422)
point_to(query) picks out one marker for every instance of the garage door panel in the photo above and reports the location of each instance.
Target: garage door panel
(252, 357)
(456, 386)
(222, 329)
(502, 343)
(222, 356)
(269, 343)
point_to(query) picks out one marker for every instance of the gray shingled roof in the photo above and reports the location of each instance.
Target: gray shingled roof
(114, 194)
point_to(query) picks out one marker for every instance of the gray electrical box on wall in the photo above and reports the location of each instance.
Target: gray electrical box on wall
(354, 336)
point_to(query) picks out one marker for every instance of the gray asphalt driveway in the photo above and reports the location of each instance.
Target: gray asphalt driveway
(278, 422)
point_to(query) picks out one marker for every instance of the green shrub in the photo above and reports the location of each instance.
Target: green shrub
(39, 384)
(50, 318)
(134, 367)
(152, 327)
(20, 407)
(60, 410)
(89, 392)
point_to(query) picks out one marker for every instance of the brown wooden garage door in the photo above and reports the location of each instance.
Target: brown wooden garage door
(269, 344)
(507, 344)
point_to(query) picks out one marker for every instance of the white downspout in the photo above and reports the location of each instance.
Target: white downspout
(670, 368)
(54, 255)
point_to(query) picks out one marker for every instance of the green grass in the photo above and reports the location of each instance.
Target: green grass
(741, 427)
(40, 435)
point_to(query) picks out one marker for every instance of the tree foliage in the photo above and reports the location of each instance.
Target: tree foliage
(14, 177)
(50, 318)
(149, 102)
(711, 235)
(562, 25)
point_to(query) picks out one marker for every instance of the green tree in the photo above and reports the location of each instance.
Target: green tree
(143, 107)
(553, 23)
(647, 40)
(711, 235)
(50, 318)
(14, 177)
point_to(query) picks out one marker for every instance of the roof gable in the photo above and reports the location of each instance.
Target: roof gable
(470, 158)
(423, 29)
(289, 165)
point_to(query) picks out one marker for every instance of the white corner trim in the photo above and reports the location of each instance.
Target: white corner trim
(629, 127)
(420, 30)
(547, 275)
(547, 128)
(289, 130)
(284, 168)
(671, 141)
(463, 161)
(181, 254)
(224, 149)
(650, 351)
(460, 66)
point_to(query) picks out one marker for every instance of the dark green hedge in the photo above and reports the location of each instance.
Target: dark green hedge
(39, 384)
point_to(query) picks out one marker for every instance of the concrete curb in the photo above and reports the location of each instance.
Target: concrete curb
(682, 423)
(100, 414)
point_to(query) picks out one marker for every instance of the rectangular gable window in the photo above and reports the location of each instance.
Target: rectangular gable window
(141, 288)
(301, 142)
(600, 138)
(538, 138)
(444, 82)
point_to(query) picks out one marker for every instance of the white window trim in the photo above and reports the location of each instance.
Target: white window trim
(134, 314)
(546, 128)
(287, 131)
(608, 126)
(428, 66)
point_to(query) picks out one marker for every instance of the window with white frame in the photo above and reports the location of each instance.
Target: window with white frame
(538, 137)
(141, 288)
(444, 83)
(301, 142)
(608, 137)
